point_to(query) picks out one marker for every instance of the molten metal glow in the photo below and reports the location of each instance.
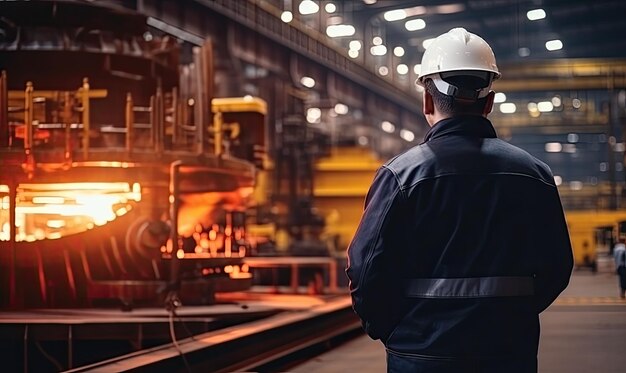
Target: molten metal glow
(51, 211)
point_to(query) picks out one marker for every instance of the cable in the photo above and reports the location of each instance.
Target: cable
(171, 303)
(49, 357)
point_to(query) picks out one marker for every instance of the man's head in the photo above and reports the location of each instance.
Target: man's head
(457, 71)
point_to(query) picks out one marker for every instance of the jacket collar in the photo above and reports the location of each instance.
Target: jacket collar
(470, 125)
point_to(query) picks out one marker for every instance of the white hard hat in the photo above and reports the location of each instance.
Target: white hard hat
(458, 51)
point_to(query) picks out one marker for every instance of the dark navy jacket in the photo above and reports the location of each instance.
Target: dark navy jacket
(461, 245)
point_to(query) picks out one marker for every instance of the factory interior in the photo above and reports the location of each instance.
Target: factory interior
(180, 180)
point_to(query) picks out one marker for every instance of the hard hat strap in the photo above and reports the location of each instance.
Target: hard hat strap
(459, 93)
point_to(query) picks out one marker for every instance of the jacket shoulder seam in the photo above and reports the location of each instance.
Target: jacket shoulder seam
(419, 181)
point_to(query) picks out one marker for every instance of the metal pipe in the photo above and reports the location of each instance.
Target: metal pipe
(4, 115)
(86, 122)
(67, 121)
(130, 119)
(217, 132)
(12, 238)
(174, 199)
(28, 118)
(152, 120)
(158, 115)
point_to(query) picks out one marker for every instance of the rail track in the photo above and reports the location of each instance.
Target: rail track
(255, 345)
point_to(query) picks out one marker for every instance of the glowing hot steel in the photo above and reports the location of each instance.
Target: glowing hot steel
(51, 211)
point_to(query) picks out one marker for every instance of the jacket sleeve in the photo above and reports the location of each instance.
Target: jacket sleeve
(374, 289)
(555, 258)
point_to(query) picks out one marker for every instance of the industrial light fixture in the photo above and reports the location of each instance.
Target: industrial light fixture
(558, 180)
(378, 50)
(402, 69)
(383, 70)
(394, 15)
(553, 45)
(387, 126)
(377, 40)
(545, 106)
(508, 108)
(417, 69)
(415, 24)
(341, 109)
(553, 147)
(308, 7)
(330, 8)
(307, 81)
(353, 53)
(536, 14)
(407, 135)
(286, 16)
(500, 97)
(355, 45)
(398, 51)
(337, 31)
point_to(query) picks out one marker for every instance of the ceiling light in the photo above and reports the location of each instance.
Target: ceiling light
(545, 106)
(576, 103)
(355, 45)
(523, 52)
(536, 14)
(508, 108)
(556, 101)
(398, 51)
(383, 70)
(553, 45)
(377, 40)
(415, 24)
(378, 50)
(427, 42)
(558, 180)
(341, 109)
(337, 31)
(307, 81)
(407, 135)
(330, 8)
(287, 16)
(394, 15)
(402, 69)
(308, 7)
(417, 69)
(387, 126)
(575, 185)
(572, 137)
(369, 2)
(553, 147)
(353, 53)
(500, 97)
(313, 115)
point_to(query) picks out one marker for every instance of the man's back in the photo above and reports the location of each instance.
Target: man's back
(474, 201)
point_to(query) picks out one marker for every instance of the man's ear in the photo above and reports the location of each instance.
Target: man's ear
(489, 103)
(428, 107)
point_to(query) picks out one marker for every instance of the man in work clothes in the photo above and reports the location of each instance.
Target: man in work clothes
(463, 241)
(619, 254)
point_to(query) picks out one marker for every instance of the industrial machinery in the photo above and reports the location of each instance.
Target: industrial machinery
(122, 179)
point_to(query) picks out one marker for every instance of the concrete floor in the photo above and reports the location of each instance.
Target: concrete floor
(583, 331)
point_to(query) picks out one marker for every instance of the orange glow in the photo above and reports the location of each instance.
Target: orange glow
(180, 254)
(51, 211)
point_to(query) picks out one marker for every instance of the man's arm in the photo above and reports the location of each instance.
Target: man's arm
(555, 255)
(373, 286)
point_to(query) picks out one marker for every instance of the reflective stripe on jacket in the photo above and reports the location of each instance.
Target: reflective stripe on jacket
(461, 245)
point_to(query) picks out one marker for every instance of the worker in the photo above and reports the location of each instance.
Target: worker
(463, 240)
(619, 255)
